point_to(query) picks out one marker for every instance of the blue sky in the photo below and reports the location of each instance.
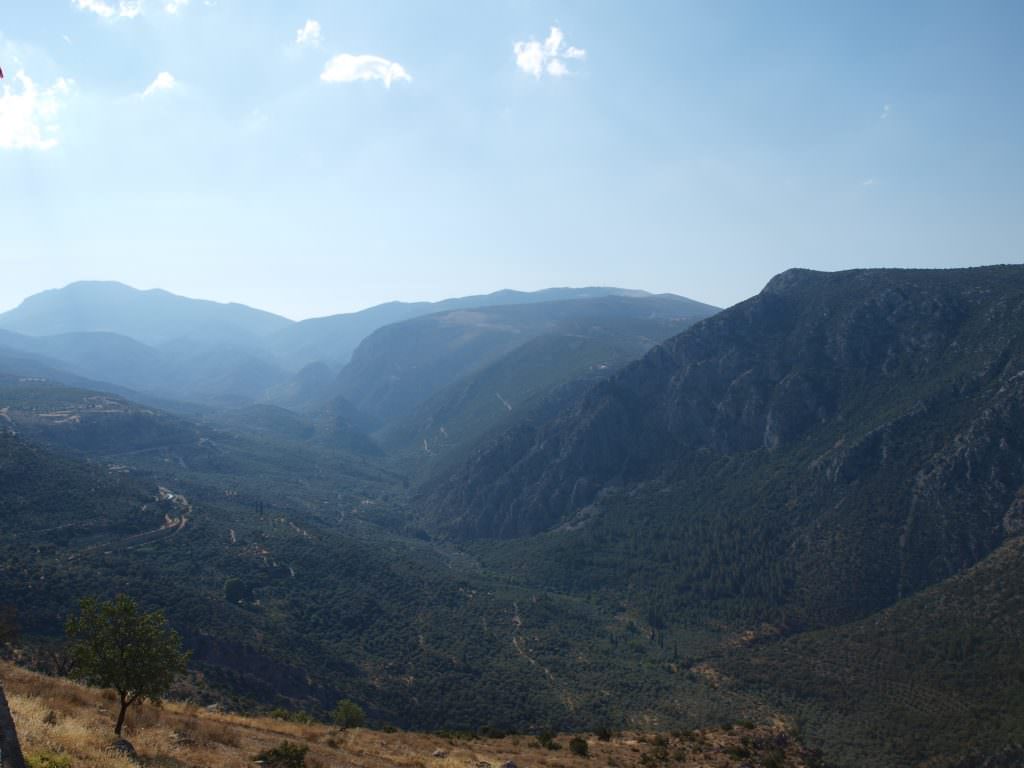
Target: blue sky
(208, 148)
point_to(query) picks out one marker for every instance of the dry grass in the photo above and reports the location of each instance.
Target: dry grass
(175, 735)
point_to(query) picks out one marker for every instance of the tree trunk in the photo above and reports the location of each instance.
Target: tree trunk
(120, 716)
(10, 750)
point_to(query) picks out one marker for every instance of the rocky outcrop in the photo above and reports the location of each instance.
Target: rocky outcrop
(10, 749)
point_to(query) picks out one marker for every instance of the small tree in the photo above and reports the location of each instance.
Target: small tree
(116, 646)
(579, 746)
(348, 714)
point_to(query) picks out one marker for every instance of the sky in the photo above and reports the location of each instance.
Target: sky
(314, 157)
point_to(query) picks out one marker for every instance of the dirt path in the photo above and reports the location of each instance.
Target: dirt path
(520, 645)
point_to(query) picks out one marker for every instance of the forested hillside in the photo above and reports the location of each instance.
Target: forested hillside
(804, 509)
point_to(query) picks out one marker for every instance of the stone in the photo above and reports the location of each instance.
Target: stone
(9, 747)
(124, 747)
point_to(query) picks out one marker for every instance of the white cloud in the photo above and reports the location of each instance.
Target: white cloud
(556, 68)
(309, 34)
(868, 183)
(127, 9)
(28, 119)
(554, 42)
(98, 7)
(348, 68)
(163, 82)
(173, 6)
(535, 58)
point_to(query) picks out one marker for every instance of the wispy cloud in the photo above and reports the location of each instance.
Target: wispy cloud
(885, 112)
(309, 34)
(173, 6)
(127, 9)
(28, 115)
(163, 82)
(348, 68)
(868, 183)
(537, 58)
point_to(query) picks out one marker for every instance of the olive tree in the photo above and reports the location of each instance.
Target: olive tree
(348, 714)
(116, 646)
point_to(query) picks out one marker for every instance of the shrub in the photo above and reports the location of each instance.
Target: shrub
(546, 739)
(284, 755)
(604, 733)
(578, 746)
(348, 714)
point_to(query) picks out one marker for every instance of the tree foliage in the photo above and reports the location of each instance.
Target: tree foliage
(348, 714)
(116, 646)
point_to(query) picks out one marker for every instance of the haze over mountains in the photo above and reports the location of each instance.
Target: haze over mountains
(183, 349)
(556, 509)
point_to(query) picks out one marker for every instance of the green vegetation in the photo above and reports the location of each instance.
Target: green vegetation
(579, 746)
(284, 755)
(237, 591)
(48, 760)
(547, 739)
(874, 691)
(348, 714)
(776, 513)
(115, 646)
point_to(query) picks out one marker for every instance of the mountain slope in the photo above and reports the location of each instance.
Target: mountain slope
(97, 355)
(225, 355)
(217, 739)
(333, 339)
(526, 383)
(938, 674)
(401, 365)
(816, 452)
(184, 370)
(152, 317)
(339, 606)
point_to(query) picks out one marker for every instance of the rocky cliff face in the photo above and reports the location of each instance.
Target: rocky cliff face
(907, 382)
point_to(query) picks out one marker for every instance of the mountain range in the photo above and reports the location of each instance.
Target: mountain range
(161, 345)
(554, 509)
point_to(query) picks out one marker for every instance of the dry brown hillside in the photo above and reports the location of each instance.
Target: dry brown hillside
(64, 724)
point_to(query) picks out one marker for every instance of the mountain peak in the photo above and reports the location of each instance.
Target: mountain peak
(153, 316)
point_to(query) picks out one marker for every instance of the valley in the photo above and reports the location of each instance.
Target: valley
(564, 511)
